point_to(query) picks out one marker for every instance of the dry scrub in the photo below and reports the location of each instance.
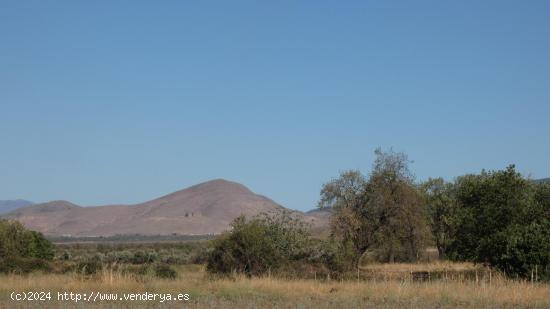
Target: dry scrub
(242, 292)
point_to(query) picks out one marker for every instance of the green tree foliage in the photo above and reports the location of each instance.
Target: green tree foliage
(502, 219)
(384, 213)
(334, 255)
(40, 247)
(351, 223)
(441, 211)
(21, 250)
(260, 245)
(18, 242)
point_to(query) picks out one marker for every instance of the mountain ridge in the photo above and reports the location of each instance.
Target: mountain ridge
(10, 205)
(205, 208)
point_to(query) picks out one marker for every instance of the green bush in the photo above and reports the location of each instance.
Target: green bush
(89, 267)
(20, 265)
(259, 246)
(23, 251)
(165, 271)
(334, 255)
(144, 257)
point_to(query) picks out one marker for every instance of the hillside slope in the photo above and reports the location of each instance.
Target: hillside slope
(11, 205)
(206, 208)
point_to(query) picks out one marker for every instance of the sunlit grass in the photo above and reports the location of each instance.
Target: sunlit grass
(243, 292)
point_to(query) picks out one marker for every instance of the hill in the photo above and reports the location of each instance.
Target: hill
(206, 208)
(10, 205)
(545, 180)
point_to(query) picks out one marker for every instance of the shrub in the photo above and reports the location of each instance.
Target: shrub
(334, 255)
(165, 271)
(23, 265)
(17, 241)
(260, 245)
(89, 266)
(143, 257)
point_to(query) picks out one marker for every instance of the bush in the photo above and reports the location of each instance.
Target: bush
(16, 241)
(165, 271)
(20, 265)
(334, 255)
(143, 257)
(89, 267)
(259, 246)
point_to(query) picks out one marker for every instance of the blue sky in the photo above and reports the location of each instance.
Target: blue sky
(124, 101)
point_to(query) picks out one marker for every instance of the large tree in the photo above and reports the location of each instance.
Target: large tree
(384, 213)
(503, 219)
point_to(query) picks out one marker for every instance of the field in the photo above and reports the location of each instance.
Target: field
(241, 292)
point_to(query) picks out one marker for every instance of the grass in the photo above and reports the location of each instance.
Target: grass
(242, 292)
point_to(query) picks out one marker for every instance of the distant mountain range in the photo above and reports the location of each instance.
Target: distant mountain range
(545, 180)
(206, 208)
(10, 205)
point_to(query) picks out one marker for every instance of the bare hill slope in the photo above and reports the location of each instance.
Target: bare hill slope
(11, 205)
(206, 208)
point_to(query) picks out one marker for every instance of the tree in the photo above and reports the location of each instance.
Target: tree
(15, 240)
(440, 208)
(18, 242)
(350, 221)
(40, 247)
(384, 213)
(398, 208)
(502, 219)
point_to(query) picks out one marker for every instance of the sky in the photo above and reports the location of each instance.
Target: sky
(108, 102)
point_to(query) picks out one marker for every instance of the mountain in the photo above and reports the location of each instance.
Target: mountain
(545, 180)
(320, 213)
(206, 208)
(9, 205)
(321, 218)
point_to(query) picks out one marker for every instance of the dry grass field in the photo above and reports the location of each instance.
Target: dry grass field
(241, 292)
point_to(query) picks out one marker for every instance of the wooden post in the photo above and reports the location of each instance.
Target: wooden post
(536, 273)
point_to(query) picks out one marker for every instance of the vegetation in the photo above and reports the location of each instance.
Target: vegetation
(383, 214)
(499, 219)
(491, 231)
(124, 239)
(260, 245)
(502, 219)
(22, 250)
(381, 291)
(16, 241)
(441, 211)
